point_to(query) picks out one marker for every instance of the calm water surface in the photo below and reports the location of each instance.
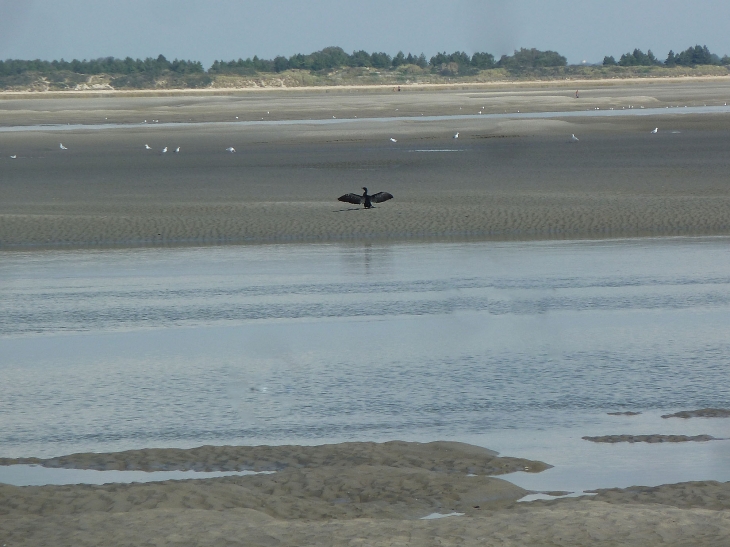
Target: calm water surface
(520, 347)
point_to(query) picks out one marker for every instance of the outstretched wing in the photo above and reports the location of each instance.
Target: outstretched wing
(351, 198)
(380, 197)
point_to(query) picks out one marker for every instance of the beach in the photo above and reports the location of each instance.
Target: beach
(157, 301)
(508, 177)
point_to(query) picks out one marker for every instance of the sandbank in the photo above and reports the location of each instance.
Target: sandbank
(651, 439)
(701, 413)
(353, 493)
(507, 178)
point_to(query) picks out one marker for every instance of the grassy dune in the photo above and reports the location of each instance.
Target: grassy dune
(404, 75)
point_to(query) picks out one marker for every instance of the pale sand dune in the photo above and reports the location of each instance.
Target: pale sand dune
(353, 494)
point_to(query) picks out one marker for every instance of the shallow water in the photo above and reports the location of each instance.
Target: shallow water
(35, 475)
(519, 347)
(590, 113)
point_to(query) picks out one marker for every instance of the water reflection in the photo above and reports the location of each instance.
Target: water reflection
(367, 260)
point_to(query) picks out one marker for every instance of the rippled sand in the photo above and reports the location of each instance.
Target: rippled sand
(506, 178)
(353, 493)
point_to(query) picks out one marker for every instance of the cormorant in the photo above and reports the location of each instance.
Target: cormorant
(365, 199)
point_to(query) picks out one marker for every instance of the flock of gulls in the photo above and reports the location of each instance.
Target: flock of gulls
(363, 199)
(232, 150)
(146, 147)
(573, 138)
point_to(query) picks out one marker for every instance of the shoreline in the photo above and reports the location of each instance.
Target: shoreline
(363, 240)
(226, 91)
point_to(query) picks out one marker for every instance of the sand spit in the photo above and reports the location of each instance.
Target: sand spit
(699, 494)
(355, 494)
(329, 492)
(650, 438)
(701, 413)
(497, 217)
(441, 457)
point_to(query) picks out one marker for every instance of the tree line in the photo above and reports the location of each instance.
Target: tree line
(445, 63)
(129, 71)
(104, 65)
(328, 58)
(693, 56)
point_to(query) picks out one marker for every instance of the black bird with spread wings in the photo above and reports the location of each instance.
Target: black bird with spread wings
(365, 199)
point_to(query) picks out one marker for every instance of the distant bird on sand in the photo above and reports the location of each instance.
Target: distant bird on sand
(393, 140)
(164, 150)
(365, 199)
(655, 131)
(573, 138)
(457, 135)
(13, 156)
(62, 146)
(147, 147)
(177, 150)
(230, 149)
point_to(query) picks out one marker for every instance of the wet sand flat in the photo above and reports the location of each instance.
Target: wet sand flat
(503, 179)
(339, 494)
(577, 524)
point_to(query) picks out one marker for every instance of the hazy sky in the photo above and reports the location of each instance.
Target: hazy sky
(228, 29)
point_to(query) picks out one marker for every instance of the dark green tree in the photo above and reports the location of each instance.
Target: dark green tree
(360, 58)
(698, 55)
(638, 58)
(398, 60)
(482, 61)
(532, 58)
(299, 61)
(281, 64)
(380, 60)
